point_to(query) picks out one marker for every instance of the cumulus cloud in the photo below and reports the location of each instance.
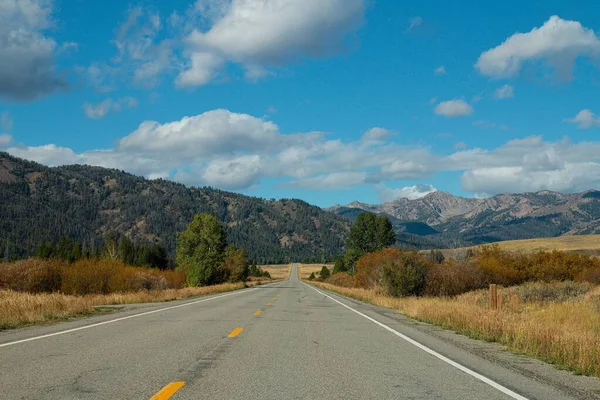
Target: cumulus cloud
(413, 192)
(235, 151)
(454, 108)
(100, 110)
(376, 134)
(441, 70)
(331, 181)
(237, 173)
(259, 34)
(585, 119)
(557, 42)
(504, 92)
(27, 66)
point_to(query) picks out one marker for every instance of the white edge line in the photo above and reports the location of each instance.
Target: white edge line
(474, 374)
(127, 317)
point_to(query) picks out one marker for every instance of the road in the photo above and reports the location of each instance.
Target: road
(286, 340)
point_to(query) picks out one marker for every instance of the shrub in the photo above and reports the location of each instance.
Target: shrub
(324, 274)
(370, 266)
(342, 279)
(406, 275)
(235, 265)
(591, 275)
(453, 278)
(339, 265)
(558, 291)
(84, 277)
(33, 275)
(312, 276)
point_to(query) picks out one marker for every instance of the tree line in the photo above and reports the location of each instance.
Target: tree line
(141, 255)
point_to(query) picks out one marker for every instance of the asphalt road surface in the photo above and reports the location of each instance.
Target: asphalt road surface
(286, 340)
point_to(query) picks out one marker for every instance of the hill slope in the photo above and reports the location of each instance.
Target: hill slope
(461, 221)
(86, 203)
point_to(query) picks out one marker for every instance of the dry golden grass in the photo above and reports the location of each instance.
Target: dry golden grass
(278, 271)
(18, 308)
(562, 243)
(565, 332)
(304, 270)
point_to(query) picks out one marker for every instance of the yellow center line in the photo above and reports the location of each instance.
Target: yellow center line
(236, 332)
(168, 391)
(257, 312)
(268, 304)
(274, 298)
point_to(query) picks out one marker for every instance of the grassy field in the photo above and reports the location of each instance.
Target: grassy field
(575, 243)
(557, 322)
(21, 308)
(278, 271)
(304, 270)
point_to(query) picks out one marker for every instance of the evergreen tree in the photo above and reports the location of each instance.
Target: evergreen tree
(324, 274)
(127, 251)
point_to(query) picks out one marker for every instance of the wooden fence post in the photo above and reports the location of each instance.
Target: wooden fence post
(499, 302)
(515, 303)
(493, 296)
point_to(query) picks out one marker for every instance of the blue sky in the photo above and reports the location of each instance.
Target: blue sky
(329, 101)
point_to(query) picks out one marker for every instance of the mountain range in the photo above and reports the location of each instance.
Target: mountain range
(39, 203)
(441, 219)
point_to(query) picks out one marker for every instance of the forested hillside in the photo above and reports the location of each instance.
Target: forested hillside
(86, 203)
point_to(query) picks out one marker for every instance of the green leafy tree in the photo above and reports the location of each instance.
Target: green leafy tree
(324, 274)
(235, 265)
(200, 250)
(312, 276)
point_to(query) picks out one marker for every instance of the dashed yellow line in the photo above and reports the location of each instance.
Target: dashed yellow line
(235, 332)
(168, 391)
(274, 298)
(268, 304)
(257, 312)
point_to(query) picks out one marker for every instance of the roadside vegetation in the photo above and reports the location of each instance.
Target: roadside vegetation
(557, 317)
(65, 281)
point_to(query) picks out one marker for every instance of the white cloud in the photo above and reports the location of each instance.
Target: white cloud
(558, 42)
(414, 23)
(331, 181)
(441, 70)
(236, 151)
(6, 121)
(377, 134)
(5, 140)
(257, 34)
(504, 92)
(27, 67)
(201, 70)
(585, 119)
(454, 108)
(237, 173)
(100, 110)
(460, 146)
(387, 194)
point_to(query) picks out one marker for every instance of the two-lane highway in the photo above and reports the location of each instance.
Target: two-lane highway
(278, 341)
